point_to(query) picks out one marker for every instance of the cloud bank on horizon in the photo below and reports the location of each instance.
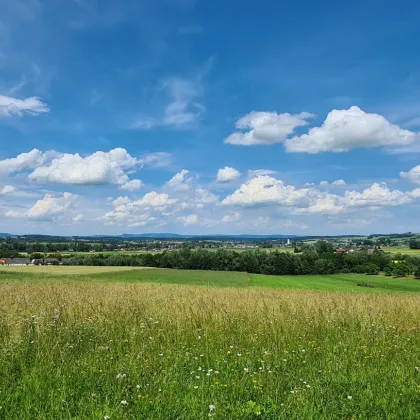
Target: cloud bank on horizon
(143, 127)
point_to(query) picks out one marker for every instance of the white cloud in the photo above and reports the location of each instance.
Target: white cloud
(132, 213)
(120, 201)
(79, 218)
(24, 161)
(191, 219)
(156, 160)
(10, 107)
(203, 196)
(266, 190)
(97, 169)
(48, 208)
(266, 127)
(337, 183)
(227, 174)
(413, 175)
(258, 172)
(230, 218)
(132, 185)
(180, 181)
(183, 109)
(348, 129)
(7, 190)
(373, 197)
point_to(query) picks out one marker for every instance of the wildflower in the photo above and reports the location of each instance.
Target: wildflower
(246, 369)
(197, 377)
(196, 387)
(124, 402)
(120, 376)
(138, 386)
(216, 372)
(349, 397)
(212, 407)
(239, 354)
(106, 417)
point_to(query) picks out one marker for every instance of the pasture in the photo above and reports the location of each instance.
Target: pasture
(112, 343)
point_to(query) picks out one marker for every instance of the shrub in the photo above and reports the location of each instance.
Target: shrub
(372, 270)
(388, 271)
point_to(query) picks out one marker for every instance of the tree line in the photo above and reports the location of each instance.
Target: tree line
(320, 259)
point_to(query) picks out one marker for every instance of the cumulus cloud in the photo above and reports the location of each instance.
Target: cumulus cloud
(230, 218)
(413, 175)
(373, 197)
(191, 219)
(227, 174)
(348, 129)
(24, 161)
(337, 183)
(182, 110)
(266, 128)
(7, 190)
(266, 190)
(120, 201)
(10, 107)
(180, 182)
(100, 168)
(132, 185)
(78, 219)
(48, 208)
(138, 211)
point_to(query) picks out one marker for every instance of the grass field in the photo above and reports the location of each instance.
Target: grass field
(331, 283)
(402, 250)
(107, 343)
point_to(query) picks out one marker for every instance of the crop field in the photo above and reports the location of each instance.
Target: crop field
(112, 343)
(402, 250)
(330, 283)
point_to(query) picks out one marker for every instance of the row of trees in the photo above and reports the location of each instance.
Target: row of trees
(317, 260)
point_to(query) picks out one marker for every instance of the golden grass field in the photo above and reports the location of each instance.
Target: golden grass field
(94, 350)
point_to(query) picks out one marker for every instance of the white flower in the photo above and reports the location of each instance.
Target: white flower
(212, 407)
(246, 369)
(196, 387)
(138, 386)
(124, 402)
(106, 417)
(349, 397)
(197, 377)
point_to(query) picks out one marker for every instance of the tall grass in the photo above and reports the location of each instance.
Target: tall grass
(134, 351)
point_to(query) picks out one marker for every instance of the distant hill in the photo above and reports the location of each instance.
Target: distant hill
(5, 235)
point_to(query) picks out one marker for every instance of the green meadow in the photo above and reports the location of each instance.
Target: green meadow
(122, 343)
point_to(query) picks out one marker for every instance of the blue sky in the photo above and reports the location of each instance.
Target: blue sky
(209, 117)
